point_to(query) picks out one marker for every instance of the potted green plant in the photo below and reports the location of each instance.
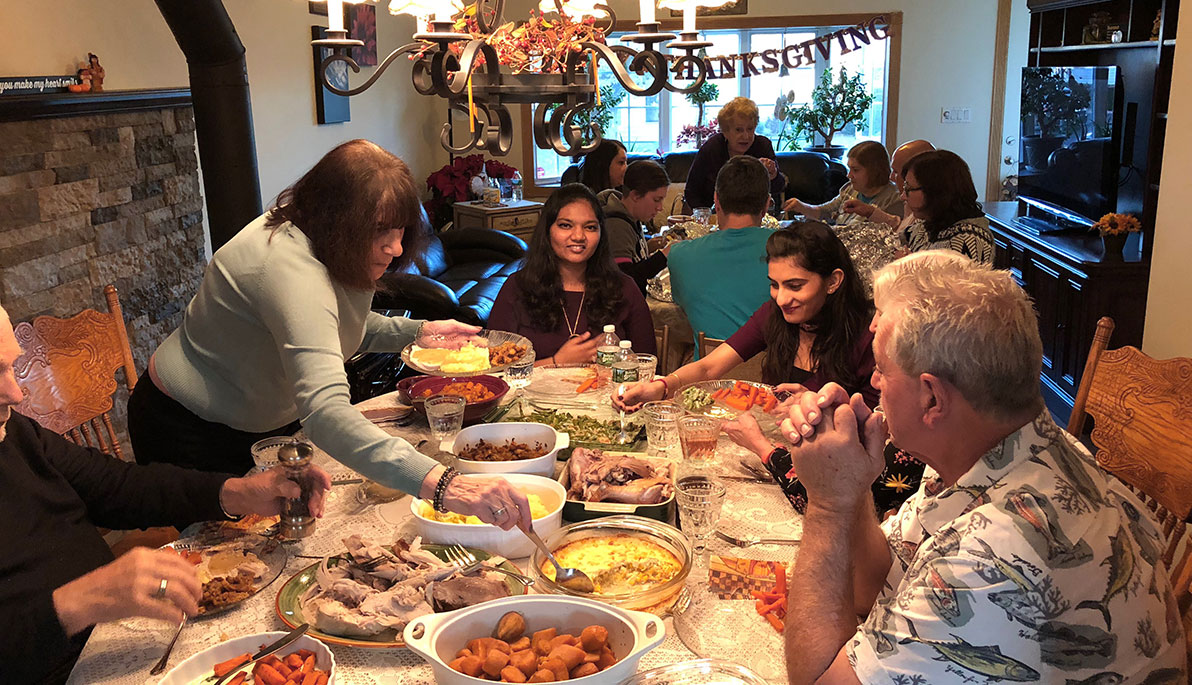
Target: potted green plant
(835, 104)
(1053, 106)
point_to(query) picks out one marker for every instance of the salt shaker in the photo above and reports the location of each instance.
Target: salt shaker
(296, 519)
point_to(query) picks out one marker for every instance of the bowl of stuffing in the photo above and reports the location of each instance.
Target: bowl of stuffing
(481, 393)
(507, 448)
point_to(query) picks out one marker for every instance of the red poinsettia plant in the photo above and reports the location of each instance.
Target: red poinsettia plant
(453, 183)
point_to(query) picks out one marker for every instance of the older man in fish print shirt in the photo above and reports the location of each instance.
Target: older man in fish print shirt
(1018, 560)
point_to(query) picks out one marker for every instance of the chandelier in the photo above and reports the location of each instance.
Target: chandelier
(467, 56)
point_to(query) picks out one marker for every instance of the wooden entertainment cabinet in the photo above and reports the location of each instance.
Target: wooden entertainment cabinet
(1063, 272)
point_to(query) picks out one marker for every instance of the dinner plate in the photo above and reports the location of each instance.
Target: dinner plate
(214, 540)
(563, 381)
(290, 611)
(493, 338)
(730, 629)
(718, 409)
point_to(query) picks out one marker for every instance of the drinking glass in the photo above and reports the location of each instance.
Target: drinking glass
(662, 427)
(519, 372)
(445, 414)
(697, 436)
(702, 215)
(264, 452)
(700, 499)
(646, 365)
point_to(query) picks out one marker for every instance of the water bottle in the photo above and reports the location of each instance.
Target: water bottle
(606, 351)
(515, 187)
(625, 368)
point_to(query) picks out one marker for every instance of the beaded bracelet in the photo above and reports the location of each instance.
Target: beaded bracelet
(441, 488)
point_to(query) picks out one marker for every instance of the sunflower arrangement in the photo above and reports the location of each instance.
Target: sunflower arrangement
(1117, 224)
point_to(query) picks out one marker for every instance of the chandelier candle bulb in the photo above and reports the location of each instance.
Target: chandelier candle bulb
(689, 19)
(647, 12)
(335, 15)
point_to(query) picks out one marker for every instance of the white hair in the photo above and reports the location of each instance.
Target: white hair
(966, 323)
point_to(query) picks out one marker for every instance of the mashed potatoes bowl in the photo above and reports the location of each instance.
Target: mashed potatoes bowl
(513, 543)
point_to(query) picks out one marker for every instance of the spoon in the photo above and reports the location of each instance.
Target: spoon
(570, 578)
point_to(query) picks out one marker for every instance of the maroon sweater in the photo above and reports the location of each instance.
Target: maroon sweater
(633, 319)
(750, 340)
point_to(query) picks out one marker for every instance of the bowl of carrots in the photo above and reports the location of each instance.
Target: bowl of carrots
(305, 661)
(481, 393)
(726, 399)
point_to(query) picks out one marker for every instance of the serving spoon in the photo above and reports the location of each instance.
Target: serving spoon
(570, 578)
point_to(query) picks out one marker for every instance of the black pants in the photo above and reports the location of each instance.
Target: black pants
(162, 430)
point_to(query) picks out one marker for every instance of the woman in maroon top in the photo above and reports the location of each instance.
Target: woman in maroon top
(814, 328)
(570, 288)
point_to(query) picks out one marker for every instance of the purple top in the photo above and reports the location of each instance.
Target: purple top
(701, 179)
(633, 321)
(749, 340)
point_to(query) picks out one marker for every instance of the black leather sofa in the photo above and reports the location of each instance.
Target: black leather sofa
(810, 176)
(457, 276)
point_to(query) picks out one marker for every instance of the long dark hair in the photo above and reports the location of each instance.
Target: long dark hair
(594, 172)
(841, 322)
(541, 285)
(947, 189)
(353, 194)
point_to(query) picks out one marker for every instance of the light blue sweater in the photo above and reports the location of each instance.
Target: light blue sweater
(264, 342)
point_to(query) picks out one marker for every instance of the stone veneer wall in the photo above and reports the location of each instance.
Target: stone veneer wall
(109, 197)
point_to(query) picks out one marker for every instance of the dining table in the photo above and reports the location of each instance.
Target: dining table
(124, 651)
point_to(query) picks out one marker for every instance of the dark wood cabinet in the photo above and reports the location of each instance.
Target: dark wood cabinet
(1072, 287)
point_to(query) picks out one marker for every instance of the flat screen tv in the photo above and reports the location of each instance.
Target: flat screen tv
(1070, 140)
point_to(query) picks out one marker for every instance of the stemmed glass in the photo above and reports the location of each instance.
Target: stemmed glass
(700, 500)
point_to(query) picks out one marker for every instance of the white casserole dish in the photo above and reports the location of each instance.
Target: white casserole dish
(199, 666)
(437, 637)
(512, 543)
(500, 433)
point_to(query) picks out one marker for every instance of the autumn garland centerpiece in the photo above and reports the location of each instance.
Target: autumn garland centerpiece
(1115, 229)
(453, 183)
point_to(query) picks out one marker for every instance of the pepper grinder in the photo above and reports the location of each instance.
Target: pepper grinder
(296, 519)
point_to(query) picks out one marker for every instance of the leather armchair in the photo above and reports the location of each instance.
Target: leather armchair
(457, 276)
(810, 176)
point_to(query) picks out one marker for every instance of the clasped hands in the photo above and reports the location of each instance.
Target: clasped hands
(837, 446)
(159, 583)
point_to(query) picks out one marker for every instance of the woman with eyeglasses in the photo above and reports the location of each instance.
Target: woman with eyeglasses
(939, 189)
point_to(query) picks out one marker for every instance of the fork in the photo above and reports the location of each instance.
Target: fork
(366, 565)
(165, 658)
(467, 562)
(750, 542)
(756, 471)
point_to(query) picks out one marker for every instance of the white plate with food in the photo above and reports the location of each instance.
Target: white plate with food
(199, 668)
(232, 566)
(342, 599)
(586, 383)
(492, 351)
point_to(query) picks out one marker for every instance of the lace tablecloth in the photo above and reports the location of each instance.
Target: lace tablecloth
(122, 653)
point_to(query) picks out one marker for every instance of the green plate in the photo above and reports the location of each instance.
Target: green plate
(290, 612)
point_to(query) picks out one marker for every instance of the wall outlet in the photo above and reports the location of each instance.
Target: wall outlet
(956, 115)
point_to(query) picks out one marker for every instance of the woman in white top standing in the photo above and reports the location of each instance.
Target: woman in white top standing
(261, 348)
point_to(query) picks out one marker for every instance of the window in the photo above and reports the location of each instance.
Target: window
(651, 125)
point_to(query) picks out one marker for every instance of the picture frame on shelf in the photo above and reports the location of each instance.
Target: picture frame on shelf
(329, 107)
(734, 8)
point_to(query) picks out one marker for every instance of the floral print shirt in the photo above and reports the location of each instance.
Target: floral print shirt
(1036, 566)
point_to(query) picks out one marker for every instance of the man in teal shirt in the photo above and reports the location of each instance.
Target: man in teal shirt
(720, 279)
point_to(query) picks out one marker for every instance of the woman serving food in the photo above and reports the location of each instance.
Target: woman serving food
(262, 346)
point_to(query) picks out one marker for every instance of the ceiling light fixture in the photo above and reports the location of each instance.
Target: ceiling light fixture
(480, 65)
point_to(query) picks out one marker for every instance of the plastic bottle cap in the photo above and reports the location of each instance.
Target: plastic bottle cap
(610, 328)
(625, 344)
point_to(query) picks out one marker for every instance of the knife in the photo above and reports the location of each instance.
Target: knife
(267, 650)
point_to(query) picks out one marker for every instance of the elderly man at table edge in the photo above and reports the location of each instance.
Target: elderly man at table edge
(57, 575)
(1018, 558)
